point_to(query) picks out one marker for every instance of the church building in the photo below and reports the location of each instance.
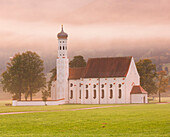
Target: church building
(110, 80)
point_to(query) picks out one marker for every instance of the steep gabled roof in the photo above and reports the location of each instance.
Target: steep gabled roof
(107, 67)
(76, 73)
(138, 90)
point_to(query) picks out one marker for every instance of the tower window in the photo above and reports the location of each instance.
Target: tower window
(102, 85)
(63, 47)
(86, 86)
(102, 93)
(94, 86)
(60, 41)
(120, 93)
(60, 47)
(111, 85)
(63, 41)
(80, 94)
(87, 94)
(71, 94)
(120, 85)
(80, 85)
(71, 84)
(94, 94)
(111, 94)
(63, 54)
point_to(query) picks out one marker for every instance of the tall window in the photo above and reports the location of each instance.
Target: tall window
(71, 94)
(111, 93)
(63, 47)
(87, 94)
(102, 93)
(102, 85)
(80, 94)
(60, 47)
(87, 86)
(111, 85)
(71, 84)
(120, 85)
(94, 86)
(94, 94)
(120, 93)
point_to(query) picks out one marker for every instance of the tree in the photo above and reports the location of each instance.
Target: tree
(163, 81)
(78, 61)
(12, 78)
(52, 78)
(45, 95)
(166, 69)
(24, 74)
(147, 72)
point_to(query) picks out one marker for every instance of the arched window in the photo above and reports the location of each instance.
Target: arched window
(87, 94)
(71, 84)
(111, 93)
(111, 85)
(120, 85)
(102, 93)
(87, 86)
(63, 47)
(80, 94)
(120, 93)
(102, 85)
(94, 86)
(94, 94)
(71, 94)
(60, 47)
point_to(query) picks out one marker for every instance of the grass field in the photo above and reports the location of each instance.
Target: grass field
(149, 120)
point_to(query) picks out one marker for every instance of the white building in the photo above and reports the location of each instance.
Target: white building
(103, 81)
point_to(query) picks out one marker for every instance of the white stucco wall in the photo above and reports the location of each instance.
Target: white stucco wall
(36, 103)
(139, 98)
(132, 79)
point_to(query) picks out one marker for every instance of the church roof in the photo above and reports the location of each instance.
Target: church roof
(107, 67)
(138, 90)
(76, 73)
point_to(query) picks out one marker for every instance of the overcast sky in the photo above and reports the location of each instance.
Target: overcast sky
(93, 26)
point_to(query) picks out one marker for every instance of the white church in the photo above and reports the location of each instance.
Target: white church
(112, 80)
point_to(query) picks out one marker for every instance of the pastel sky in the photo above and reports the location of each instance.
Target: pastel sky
(93, 26)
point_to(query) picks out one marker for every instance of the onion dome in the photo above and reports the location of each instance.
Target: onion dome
(62, 34)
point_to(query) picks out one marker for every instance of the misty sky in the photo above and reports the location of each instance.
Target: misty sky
(95, 27)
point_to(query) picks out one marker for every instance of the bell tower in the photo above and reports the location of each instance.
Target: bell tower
(62, 65)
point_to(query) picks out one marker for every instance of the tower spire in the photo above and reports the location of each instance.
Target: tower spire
(62, 28)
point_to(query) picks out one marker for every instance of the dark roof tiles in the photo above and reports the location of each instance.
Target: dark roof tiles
(138, 90)
(107, 67)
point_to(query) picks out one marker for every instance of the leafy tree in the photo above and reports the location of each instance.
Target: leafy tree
(166, 69)
(12, 78)
(147, 72)
(45, 95)
(53, 76)
(24, 74)
(159, 68)
(78, 61)
(162, 83)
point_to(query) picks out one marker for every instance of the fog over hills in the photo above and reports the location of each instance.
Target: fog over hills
(96, 28)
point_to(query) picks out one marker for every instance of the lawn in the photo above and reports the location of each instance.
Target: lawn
(149, 120)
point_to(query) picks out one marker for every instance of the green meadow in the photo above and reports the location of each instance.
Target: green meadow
(149, 120)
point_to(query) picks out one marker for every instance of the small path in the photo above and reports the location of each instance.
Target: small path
(11, 113)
